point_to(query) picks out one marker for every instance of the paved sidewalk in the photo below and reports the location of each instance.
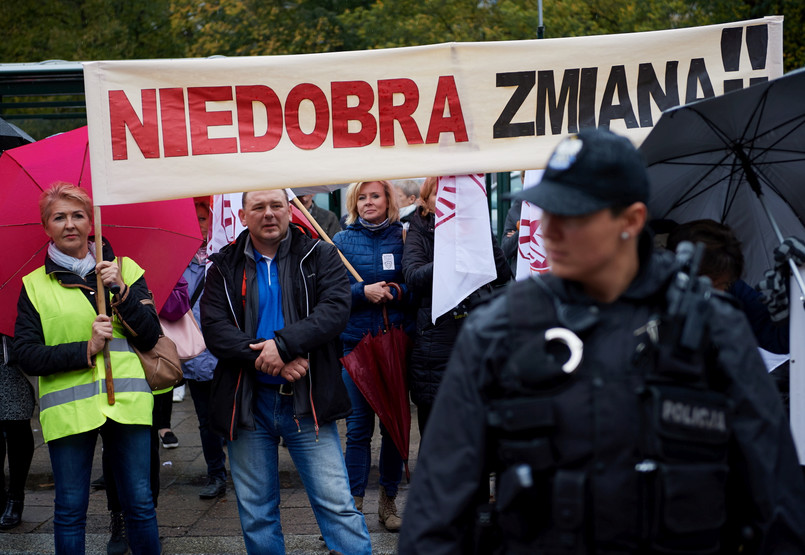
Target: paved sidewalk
(188, 524)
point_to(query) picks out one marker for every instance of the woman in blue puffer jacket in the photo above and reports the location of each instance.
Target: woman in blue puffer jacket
(373, 244)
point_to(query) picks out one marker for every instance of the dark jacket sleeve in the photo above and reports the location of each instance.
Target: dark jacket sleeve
(178, 302)
(450, 479)
(340, 241)
(770, 335)
(222, 334)
(509, 243)
(33, 356)
(330, 311)
(417, 263)
(504, 271)
(767, 485)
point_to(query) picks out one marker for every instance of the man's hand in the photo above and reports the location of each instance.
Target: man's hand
(269, 360)
(295, 370)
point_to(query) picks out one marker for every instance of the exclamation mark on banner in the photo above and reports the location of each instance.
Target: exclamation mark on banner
(731, 55)
(757, 44)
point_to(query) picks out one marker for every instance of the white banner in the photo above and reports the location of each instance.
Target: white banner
(463, 259)
(162, 129)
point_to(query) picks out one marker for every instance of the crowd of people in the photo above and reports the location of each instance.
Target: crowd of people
(572, 391)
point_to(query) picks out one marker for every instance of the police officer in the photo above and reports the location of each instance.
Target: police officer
(619, 403)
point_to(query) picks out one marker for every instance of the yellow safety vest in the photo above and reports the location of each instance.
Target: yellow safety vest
(75, 401)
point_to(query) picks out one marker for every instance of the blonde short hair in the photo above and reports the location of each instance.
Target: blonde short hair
(392, 211)
(61, 190)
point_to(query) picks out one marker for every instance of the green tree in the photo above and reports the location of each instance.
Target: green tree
(390, 23)
(256, 27)
(82, 30)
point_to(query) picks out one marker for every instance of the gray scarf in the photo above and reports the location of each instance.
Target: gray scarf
(374, 227)
(80, 266)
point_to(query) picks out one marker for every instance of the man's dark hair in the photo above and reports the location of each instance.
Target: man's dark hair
(246, 193)
(723, 255)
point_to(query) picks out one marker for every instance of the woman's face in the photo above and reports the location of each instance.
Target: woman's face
(582, 248)
(372, 203)
(203, 215)
(68, 226)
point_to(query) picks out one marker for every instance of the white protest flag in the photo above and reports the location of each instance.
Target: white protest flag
(225, 225)
(531, 257)
(462, 254)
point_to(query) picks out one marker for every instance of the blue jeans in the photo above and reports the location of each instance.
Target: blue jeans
(71, 458)
(253, 461)
(212, 445)
(360, 428)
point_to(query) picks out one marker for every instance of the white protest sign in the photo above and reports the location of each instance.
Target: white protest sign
(171, 128)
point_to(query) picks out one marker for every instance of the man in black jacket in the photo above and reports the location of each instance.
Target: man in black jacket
(608, 431)
(274, 304)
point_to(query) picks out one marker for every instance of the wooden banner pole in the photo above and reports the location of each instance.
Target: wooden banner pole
(100, 298)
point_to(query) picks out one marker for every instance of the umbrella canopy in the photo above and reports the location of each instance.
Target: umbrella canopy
(738, 159)
(12, 136)
(161, 237)
(377, 365)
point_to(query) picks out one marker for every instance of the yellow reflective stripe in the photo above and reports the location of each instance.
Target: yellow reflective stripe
(85, 391)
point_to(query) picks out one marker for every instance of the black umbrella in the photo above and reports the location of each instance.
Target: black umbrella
(12, 136)
(738, 159)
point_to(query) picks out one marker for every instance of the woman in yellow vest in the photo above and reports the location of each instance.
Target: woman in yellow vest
(59, 336)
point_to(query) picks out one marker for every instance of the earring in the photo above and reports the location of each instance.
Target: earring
(625, 235)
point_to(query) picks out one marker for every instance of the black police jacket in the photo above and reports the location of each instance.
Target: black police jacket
(597, 426)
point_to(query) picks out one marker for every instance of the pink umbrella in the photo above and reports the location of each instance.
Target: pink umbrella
(161, 237)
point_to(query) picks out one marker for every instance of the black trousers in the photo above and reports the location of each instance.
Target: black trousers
(18, 443)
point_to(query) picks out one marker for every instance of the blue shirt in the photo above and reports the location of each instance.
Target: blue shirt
(269, 318)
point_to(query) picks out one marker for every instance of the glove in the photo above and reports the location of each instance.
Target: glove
(792, 248)
(773, 289)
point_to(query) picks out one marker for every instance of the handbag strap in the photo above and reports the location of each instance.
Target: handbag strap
(197, 292)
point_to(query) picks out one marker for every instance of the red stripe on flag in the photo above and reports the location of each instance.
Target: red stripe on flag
(448, 218)
(447, 203)
(476, 178)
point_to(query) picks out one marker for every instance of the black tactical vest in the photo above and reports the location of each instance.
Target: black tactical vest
(677, 467)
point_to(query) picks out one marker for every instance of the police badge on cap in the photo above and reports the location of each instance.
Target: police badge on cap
(565, 154)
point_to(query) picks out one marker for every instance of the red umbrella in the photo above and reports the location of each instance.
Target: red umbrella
(161, 237)
(377, 365)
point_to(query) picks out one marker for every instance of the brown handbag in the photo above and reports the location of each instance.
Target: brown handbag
(162, 366)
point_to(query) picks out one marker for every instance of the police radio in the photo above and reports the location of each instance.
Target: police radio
(686, 314)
